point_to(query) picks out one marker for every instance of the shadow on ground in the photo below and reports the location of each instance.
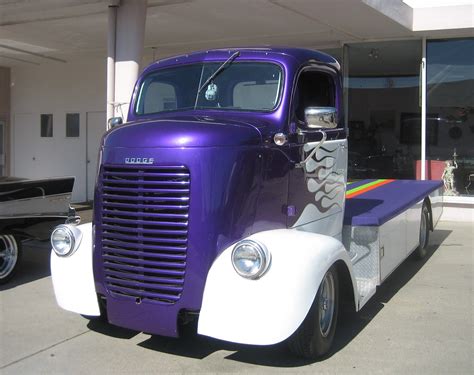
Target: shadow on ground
(349, 326)
(100, 326)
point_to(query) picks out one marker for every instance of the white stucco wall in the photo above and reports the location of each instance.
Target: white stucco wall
(57, 88)
(443, 18)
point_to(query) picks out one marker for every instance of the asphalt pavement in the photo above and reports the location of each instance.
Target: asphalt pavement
(420, 321)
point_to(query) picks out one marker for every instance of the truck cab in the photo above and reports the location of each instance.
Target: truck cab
(222, 197)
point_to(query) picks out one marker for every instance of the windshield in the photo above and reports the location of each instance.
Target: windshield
(247, 86)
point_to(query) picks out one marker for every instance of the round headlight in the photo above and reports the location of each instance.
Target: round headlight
(62, 240)
(250, 259)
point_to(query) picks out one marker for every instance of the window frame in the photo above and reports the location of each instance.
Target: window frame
(223, 109)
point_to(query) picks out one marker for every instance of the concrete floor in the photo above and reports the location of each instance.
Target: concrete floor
(420, 321)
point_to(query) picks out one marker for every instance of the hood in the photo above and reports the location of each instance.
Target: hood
(192, 131)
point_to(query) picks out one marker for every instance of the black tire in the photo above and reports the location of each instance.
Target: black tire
(315, 335)
(10, 255)
(424, 238)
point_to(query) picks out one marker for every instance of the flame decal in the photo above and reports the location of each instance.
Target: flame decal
(314, 187)
(336, 186)
(313, 167)
(320, 195)
(326, 172)
(324, 158)
(323, 181)
(322, 148)
(324, 209)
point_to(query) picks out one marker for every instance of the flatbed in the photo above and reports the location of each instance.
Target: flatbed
(373, 202)
(382, 226)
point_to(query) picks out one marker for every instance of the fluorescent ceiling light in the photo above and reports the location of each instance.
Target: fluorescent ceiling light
(20, 47)
(436, 3)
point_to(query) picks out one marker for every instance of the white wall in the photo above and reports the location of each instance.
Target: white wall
(56, 88)
(443, 18)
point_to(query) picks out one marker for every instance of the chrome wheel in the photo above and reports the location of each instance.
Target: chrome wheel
(9, 253)
(326, 304)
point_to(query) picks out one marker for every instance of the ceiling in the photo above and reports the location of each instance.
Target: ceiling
(45, 31)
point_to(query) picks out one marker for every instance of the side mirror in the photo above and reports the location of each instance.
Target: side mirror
(115, 121)
(320, 117)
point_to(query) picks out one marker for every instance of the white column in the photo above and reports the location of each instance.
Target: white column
(111, 43)
(423, 110)
(130, 34)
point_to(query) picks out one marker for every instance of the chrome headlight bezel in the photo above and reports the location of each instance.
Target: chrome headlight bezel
(73, 236)
(255, 252)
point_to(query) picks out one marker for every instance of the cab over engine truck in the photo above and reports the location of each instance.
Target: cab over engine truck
(225, 197)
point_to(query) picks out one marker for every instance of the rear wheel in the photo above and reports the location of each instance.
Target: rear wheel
(422, 249)
(315, 335)
(10, 253)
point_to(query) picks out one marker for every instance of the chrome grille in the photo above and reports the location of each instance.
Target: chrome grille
(144, 230)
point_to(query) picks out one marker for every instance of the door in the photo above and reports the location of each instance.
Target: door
(25, 146)
(317, 185)
(2, 148)
(96, 126)
(36, 156)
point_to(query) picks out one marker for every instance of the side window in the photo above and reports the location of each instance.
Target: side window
(159, 97)
(314, 89)
(72, 125)
(46, 125)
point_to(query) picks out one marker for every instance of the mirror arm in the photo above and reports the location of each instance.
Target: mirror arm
(313, 151)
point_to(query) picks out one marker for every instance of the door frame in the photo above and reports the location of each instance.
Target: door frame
(3, 147)
(87, 158)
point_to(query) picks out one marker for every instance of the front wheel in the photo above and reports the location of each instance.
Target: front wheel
(315, 335)
(10, 253)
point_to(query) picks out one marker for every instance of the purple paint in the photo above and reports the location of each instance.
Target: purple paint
(378, 206)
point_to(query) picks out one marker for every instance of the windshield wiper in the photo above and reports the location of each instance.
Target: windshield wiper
(218, 70)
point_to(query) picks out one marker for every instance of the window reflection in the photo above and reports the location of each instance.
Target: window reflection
(384, 114)
(450, 94)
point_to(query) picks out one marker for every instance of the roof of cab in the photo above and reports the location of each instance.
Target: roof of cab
(281, 54)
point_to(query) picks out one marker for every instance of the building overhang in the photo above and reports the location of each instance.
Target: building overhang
(428, 16)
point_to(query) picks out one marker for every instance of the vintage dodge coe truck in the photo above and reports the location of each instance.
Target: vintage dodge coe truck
(225, 198)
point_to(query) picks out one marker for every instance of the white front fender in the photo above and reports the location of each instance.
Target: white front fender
(268, 310)
(73, 278)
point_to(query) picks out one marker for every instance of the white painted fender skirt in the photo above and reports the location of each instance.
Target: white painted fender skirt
(73, 278)
(268, 310)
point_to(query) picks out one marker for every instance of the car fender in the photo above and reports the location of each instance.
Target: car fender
(268, 310)
(73, 277)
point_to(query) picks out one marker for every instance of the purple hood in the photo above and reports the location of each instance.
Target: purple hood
(189, 131)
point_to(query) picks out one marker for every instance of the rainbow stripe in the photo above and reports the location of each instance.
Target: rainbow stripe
(351, 193)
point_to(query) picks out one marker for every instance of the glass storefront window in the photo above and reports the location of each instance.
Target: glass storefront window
(450, 109)
(384, 114)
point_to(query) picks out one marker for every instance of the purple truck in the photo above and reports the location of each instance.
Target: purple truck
(224, 198)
